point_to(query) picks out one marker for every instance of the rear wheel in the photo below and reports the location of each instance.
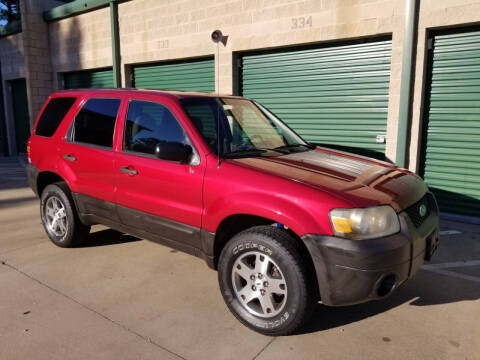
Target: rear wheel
(263, 279)
(59, 216)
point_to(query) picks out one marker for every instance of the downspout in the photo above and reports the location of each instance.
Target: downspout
(406, 82)
(117, 80)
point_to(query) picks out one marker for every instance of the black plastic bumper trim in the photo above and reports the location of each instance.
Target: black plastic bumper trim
(349, 271)
(32, 176)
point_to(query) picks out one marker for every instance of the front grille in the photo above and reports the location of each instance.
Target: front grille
(413, 211)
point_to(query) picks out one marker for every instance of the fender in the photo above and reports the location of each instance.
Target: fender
(295, 215)
(234, 189)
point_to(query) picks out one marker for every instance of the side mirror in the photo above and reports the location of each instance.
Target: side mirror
(173, 151)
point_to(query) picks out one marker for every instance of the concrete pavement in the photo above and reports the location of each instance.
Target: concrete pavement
(117, 297)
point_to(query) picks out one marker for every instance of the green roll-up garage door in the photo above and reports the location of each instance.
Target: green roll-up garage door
(330, 95)
(192, 75)
(89, 79)
(452, 151)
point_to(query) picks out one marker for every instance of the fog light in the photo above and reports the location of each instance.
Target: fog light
(387, 285)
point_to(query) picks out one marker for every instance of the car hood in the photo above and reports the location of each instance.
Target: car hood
(360, 181)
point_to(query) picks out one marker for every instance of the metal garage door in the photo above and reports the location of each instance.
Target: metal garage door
(192, 75)
(89, 79)
(331, 95)
(452, 151)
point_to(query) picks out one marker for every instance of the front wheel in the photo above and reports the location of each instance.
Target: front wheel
(263, 279)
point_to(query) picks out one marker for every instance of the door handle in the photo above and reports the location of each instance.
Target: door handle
(69, 157)
(127, 170)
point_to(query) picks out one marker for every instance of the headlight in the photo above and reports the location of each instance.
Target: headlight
(364, 223)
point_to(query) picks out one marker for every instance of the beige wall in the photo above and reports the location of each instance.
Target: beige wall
(25, 55)
(12, 57)
(36, 54)
(160, 30)
(153, 30)
(80, 42)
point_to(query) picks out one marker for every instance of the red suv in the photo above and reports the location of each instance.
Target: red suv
(286, 223)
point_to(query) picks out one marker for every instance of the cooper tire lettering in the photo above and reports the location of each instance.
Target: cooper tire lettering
(251, 245)
(275, 323)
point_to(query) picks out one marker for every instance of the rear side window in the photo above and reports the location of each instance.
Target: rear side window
(53, 115)
(95, 123)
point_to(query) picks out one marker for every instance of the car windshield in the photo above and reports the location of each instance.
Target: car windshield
(245, 127)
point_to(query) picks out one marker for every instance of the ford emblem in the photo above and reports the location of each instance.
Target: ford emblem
(422, 210)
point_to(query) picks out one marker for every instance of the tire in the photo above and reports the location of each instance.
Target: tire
(262, 303)
(56, 202)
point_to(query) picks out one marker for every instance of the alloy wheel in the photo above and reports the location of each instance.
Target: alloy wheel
(259, 284)
(56, 216)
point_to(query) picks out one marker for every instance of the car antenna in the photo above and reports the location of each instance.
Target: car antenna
(216, 36)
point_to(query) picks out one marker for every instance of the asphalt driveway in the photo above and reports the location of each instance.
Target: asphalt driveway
(119, 297)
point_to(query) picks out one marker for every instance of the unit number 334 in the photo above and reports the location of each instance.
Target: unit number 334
(301, 22)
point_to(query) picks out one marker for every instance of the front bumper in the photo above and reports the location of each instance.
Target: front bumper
(351, 272)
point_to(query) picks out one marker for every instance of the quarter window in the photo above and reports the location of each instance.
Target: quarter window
(95, 123)
(53, 115)
(149, 124)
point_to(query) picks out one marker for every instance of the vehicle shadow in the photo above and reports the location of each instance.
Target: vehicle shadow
(13, 185)
(465, 207)
(18, 201)
(425, 289)
(107, 237)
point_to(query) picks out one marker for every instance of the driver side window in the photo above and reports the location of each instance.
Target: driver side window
(149, 124)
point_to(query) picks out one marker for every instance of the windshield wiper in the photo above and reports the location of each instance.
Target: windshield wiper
(277, 149)
(292, 146)
(259, 151)
(240, 153)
